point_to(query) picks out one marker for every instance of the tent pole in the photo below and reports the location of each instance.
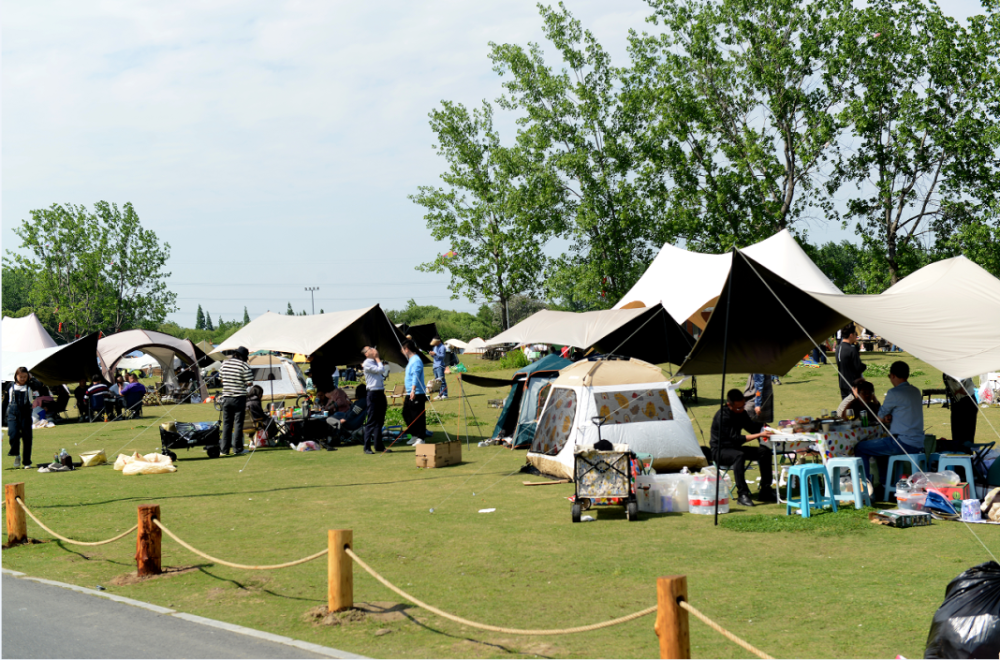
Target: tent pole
(666, 339)
(725, 353)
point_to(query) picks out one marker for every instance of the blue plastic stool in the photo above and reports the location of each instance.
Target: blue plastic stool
(899, 465)
(951, 461)
(858, 481)
(811, 478)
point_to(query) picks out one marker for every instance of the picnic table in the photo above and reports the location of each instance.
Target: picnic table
(829, 445)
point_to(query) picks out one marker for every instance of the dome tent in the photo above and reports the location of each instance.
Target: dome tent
(164, 348)
(639, 407)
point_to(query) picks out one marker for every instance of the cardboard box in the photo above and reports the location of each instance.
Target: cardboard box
(901, 518)
(954, 493)
(439, 455)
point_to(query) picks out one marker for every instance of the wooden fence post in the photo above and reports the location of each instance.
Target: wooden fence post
(17, 524)
(147, 541)
(671, 619)
(340, 570)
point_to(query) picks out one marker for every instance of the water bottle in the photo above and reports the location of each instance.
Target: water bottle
(695, 494)
(63, 454)
(902, 488)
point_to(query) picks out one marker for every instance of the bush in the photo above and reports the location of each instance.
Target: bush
(514, 359)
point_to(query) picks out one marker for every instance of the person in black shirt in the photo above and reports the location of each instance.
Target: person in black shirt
(849, 364)
(727, 447)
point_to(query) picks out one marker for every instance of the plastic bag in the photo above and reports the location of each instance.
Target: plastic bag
(306, 445)
(95, 457)
(148, 464)
(967, 625)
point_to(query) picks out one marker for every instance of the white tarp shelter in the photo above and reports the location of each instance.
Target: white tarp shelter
(477, 345)
(457, 345)
(143, 361)
(688, 282)
(640, 408)
(329, 339)
(947, 314)
(164, 348)
(25, 335)
(55, 365)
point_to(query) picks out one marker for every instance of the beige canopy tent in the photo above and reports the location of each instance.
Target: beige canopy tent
(25, 334)
(647, 333)
(55, 365)
(330, 339)
(159, 345)
(477, 345)
(688, 283)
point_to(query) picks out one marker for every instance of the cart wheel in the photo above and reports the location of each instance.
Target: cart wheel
(632, 511)
(171, 455)
(576, 512)
(586, 502)
(214, 451)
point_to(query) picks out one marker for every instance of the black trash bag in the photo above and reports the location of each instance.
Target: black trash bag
(967, 625)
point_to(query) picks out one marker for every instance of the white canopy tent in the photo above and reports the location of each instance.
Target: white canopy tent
(688, 282)
(142, 361)
(457, 344)
(25, 335)
(164, 348)
(947, 314)
(477, 345)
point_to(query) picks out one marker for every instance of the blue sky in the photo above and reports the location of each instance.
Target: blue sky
(272, 144)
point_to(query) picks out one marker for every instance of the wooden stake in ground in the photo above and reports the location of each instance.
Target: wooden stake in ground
(17, 524)
(340, 570)
(147, 541)
(671, 619)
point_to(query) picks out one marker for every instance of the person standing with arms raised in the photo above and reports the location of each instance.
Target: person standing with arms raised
(415, 402)
(375, 373)
(440, 355)
(849, 364)
(236, 376)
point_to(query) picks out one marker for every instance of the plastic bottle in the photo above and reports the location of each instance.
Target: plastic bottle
(63, 453)
(902, 488)
(695, 494)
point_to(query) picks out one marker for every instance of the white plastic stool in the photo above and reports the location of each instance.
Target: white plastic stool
(859, 483)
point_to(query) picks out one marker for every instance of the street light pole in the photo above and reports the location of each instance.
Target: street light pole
(312, 296)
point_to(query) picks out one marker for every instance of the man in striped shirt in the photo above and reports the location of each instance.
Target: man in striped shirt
(236, 378)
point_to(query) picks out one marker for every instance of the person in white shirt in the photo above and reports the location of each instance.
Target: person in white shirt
(375, 373)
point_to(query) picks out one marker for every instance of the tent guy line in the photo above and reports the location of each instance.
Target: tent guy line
(874, 414)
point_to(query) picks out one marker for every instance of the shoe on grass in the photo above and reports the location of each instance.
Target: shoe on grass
(411, 441)
(369, 451)
(28, 466)
(242, 452)
(745, 500)
(17, 461)
(419, 442)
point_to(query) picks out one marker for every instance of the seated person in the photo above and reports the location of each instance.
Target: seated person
(256, 413)
(903, 413)
(80, 394)
(354, 418)
(116, 394)
(862, 393)
(727, 445)
(132, 393)
(99, 394)
(334, 401)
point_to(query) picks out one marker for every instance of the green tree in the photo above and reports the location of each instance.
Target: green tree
(246, 316)
(450, 324)
(97, 270)
(738, 119)
(17, 283)
(290, 311)
(574, 124)
(321, 310)
(497, 211)
(208, 322)
(199, 319)
(924, 109)
(519, 308)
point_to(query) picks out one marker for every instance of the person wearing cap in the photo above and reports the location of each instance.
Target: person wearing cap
(375, 373)
(236, 378)
(439, 352)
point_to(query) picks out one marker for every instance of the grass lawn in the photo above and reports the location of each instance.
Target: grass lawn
(832, 586)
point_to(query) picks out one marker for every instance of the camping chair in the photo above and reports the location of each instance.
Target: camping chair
(99, 405)
(691, 393)
(723, 469)
(133, 404)
(979, 454)
(398, 392)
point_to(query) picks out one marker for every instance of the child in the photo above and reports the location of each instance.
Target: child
(19, 419)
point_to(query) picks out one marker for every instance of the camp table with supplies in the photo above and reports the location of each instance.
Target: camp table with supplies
(604, 478)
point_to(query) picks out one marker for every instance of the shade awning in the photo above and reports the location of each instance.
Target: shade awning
(68, 363)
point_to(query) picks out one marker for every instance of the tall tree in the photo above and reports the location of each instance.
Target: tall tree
(96, 270)
(924, 106)
(495, 214)
(290, 311)
(17, 283)
(739, 122)
(208, 322)
(199, 323)
(246, 316)
(573, 121)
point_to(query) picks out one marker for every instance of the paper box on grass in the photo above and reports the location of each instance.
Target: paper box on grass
(439, 455)
(900, 518)
(953, 493)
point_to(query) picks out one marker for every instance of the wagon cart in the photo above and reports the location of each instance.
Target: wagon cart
(604, 478)
(184, 435)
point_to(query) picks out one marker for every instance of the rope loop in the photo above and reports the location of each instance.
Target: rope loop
(71, 541)
(722, 631)
(234, 565)
(499, 629)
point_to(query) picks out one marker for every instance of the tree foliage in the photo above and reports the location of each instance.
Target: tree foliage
(450, 324)
(93, 270)
(200, 319)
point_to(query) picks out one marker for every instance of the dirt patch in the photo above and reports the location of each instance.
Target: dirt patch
(28, 542)
(127, 579)
(379, 612)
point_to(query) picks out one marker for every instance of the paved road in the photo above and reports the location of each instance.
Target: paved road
(46, 621)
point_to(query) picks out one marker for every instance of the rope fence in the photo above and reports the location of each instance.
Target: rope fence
(68, 540)
(230, 564)
(671, 609)
(483, 626)
(722, 631)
